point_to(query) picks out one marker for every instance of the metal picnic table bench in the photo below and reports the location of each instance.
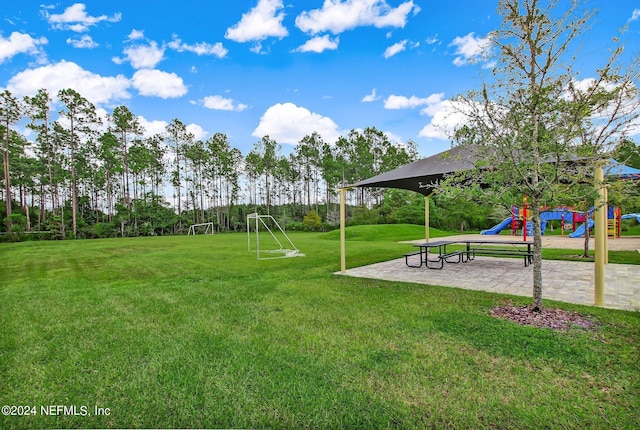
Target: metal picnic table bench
(429, 249)
(511, 248)
(434, 254)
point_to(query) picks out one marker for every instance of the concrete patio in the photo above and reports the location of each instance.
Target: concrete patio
(566, 281)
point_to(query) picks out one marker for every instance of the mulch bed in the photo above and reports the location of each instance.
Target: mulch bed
(556, 319)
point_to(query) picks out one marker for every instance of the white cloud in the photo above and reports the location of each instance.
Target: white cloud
(432, 39)
(83, 42)
(288, 123)
(20, 43)
(371, 97)
(446, 117)
(157, 83)
(433, 104)
(202, 48)
(198, 132)
(394, 138)
(338, 16)
(582, 86)
(261, 22)
(625, 106)
(445, 114)
(257, 48)
(54, 77)
(135, 35)
(152, 127)
(142, 56)
(470, 49)
(75, 18)
(449, 115)
(103, 116)
(635, 15)
(395, 49)
(402, 102)
(319, 44)
(221, 103)
(159, 127)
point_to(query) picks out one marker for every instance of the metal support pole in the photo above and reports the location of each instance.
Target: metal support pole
(606, 223)
(426, 219)
(343, 216)
(600, 217)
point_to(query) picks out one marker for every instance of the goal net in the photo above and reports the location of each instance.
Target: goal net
(268, 239)
(203, 228)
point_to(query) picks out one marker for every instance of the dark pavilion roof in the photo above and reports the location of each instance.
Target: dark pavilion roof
(421, 176)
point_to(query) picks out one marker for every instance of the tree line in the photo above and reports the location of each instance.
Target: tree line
(77, 175)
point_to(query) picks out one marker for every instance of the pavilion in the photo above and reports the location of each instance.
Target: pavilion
(423, 176)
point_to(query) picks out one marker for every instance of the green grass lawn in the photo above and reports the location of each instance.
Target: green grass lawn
(193, 331)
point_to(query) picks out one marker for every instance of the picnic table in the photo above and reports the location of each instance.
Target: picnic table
(433, 255)
(511, 248)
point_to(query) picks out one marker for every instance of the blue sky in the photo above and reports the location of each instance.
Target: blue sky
(250, 68)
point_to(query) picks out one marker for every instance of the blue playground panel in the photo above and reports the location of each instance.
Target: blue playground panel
(555, 215)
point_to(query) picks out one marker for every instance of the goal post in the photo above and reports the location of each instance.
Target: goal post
(202, 228)
(269, 239)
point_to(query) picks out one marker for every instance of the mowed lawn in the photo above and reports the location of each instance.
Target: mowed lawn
(194, 331)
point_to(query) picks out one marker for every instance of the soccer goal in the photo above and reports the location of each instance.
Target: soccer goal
(203, 228)
(268, 239)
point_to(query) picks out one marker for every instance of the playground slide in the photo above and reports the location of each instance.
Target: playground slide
(580, 230)
(498, 228)
(630, 216)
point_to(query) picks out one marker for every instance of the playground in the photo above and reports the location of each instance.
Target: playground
(572, 222)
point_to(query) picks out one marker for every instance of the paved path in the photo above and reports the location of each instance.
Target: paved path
(566, 281)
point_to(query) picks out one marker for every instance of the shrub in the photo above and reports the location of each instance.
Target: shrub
(312, 221)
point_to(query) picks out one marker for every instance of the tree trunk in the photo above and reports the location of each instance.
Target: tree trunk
(537, 256)
(109, 197)
(268, 200)
(26, 212)
(42, 205)
(63, 229)
(7, 181)
(74, 199)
